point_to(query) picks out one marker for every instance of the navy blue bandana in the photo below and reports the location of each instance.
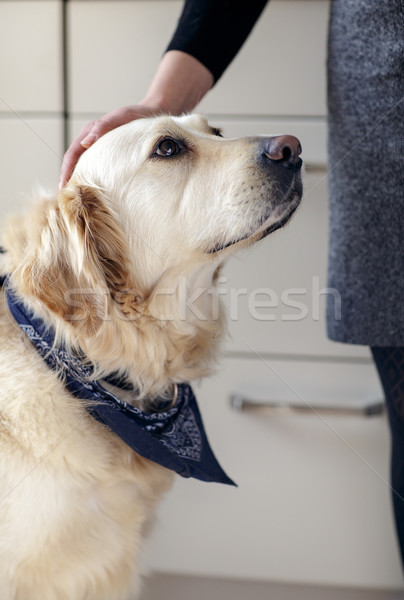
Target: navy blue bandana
(174, 438)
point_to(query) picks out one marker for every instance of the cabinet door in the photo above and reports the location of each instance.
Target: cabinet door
(280, 70)
(31, 151)
(114, 49)
(312, 132)
(31, 55)
(313, 502)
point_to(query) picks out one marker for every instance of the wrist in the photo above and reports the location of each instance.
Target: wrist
(181, 81)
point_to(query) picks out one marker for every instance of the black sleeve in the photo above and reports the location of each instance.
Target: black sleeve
(213, 31)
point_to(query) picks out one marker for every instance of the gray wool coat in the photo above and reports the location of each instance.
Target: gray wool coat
(366, 171)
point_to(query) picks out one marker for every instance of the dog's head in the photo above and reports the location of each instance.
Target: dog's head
(179, 187)
(150, 204)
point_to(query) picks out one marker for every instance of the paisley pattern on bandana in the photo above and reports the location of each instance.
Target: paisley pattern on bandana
(174, 438)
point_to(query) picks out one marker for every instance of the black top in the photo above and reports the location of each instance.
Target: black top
(213, 31)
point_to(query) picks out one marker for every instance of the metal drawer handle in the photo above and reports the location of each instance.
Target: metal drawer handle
(274, 408)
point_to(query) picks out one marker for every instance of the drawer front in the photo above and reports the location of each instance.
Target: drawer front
(313, 502)
(281, 68)
(31, 152)
(31, 55)
(113, 63)
(312, 132)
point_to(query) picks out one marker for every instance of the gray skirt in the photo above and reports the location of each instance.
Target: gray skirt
(366, 172)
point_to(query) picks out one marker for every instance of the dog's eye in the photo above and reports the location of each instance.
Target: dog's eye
(216, 131)
(167, 147)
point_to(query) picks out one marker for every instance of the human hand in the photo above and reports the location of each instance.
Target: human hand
(179, 84)
(95, 129)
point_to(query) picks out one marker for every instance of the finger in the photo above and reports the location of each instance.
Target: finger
(111, 120)
(94, 130)
(88, 135)
(69, 161)
(99, 128)
(72, 155)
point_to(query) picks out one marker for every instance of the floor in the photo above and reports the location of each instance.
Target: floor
(180, 587)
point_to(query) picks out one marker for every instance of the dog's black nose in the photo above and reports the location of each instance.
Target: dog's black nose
(284, 149)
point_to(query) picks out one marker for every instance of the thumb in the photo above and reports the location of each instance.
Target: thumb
(100, 127)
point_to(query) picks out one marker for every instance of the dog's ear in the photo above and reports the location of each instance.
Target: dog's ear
(99, 246)
(81, 261)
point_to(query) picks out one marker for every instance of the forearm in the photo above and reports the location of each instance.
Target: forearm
(180, 82)
(208, 36)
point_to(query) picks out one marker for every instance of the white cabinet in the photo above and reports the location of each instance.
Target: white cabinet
(31, 55)
(281, 69)
(31, 150)
(312, 504)
(31, 99)
(114, 48)
(312, 132)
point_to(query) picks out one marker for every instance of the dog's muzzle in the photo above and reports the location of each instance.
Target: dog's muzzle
(279, 156)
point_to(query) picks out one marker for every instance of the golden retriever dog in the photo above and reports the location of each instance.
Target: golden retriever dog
(121, 267)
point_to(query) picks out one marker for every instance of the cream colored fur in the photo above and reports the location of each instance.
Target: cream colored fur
(121, 264)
